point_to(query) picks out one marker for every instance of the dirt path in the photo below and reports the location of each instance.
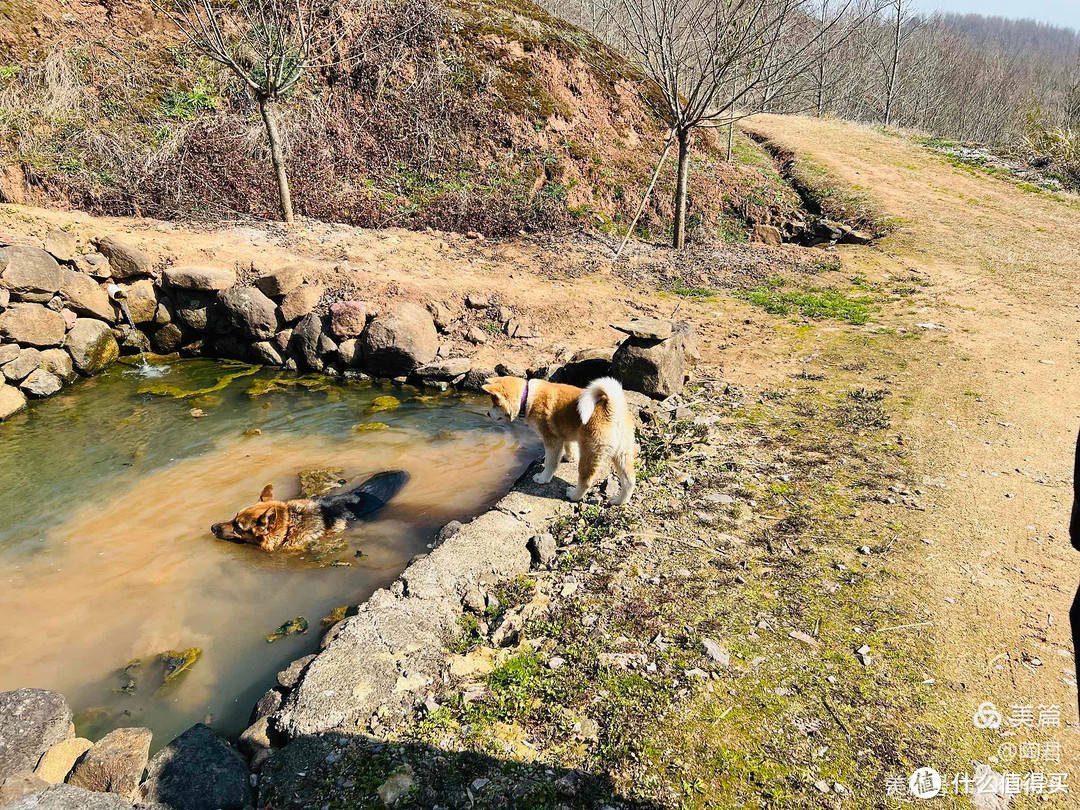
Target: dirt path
(994, 410)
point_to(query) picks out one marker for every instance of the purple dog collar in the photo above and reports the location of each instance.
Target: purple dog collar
(524, 400)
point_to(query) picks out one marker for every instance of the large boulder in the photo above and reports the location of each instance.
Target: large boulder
(124, 260)
(31, 722)
(349, 351)
(197, 771)
(94, 264)
(68, 797)
(306, 341)
(266, 353)
(656, 368)
(12, 400)
(24, 363)
(249, 312)
(115, 762)
(141, 300)
(399, 340)
(57, 762)
(62, 245)
(300, 302)
(84, 296)
(767, 235)
(282, 281)
(30, 273)
(348, 318)
(449, 370)
(20, 784)
(586, 366)
(32, 324)
(41, 383)
(92, 346)
(58, 362)
(167, 339)
(207, 279)
(193, 309)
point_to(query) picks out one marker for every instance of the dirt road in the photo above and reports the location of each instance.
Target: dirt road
(993, 410)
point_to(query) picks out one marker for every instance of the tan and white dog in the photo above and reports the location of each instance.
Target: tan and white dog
(592, 425)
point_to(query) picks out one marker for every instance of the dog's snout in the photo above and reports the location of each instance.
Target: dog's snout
(216, 530)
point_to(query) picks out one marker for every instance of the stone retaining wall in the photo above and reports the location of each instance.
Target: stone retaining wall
(62, 314)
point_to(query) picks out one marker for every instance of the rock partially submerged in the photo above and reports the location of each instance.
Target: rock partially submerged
(177, 662)
(399, 340)
(293, 627)
(320, 480)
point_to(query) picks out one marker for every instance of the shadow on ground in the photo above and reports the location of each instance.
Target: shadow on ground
(337, 771)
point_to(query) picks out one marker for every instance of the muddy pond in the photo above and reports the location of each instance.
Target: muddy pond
(107, 494)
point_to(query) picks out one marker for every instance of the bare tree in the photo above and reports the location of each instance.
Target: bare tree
(268, 45)
(715, 61)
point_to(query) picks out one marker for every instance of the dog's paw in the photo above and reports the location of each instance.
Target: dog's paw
(540, 478)
(573, 494)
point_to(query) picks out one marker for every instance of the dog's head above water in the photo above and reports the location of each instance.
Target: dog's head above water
(263, 524)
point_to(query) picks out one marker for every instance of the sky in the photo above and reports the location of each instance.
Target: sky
(1058, 12)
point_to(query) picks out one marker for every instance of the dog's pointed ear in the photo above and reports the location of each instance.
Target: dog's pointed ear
(268, 520)
(267, 493)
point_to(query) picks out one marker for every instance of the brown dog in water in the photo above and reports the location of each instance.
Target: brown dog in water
(294, 525)
(594, 423)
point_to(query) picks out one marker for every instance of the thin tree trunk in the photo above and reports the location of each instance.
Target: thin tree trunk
(895, 59)
(679, 239)
(277, 157)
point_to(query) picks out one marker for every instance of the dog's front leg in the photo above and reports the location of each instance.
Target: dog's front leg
(552, 454)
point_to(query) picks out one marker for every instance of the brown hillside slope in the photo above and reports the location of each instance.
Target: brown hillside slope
(486, 115)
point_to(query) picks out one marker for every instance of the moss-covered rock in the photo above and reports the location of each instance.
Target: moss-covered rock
(320, 480)
(177, 662)
(293, 627)
(364, 427)
(383, 403)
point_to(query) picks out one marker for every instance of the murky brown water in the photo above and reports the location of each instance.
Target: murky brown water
(106, 498)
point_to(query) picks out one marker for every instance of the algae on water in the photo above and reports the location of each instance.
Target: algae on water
(311, 382)
(176, 392)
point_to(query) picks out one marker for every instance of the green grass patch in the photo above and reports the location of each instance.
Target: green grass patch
(816, 303)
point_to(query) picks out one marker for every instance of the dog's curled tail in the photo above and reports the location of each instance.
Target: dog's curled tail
(605, 389)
